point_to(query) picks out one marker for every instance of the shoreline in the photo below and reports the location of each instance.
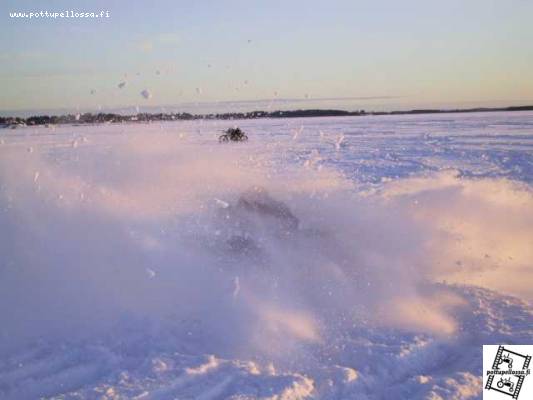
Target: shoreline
(89, 118)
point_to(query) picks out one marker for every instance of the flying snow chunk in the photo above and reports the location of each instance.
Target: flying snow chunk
(121, 85)
(338, 142)
(222, 203)
(146, 94)
(150, 273)
(236, 287)
(297, 133)
(93, 91)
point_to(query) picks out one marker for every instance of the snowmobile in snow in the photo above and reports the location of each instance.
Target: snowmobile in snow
(233, 135)
(254, 216)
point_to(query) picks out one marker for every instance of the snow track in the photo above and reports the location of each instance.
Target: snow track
(367, 363)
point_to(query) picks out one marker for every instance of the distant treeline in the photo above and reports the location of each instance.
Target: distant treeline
(89, 118)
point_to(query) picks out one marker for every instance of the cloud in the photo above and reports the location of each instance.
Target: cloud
(145, 45)
(21, 56)
(169, 38)
(160, 40)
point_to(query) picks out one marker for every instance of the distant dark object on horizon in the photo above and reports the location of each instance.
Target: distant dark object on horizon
(233, 135)
(88, 118)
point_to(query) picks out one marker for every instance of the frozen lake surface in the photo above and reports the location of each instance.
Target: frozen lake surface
(375, 257)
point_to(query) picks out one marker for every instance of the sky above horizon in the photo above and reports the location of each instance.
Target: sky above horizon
(368, 54)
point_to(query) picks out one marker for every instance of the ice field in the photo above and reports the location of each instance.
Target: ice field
(130, 268)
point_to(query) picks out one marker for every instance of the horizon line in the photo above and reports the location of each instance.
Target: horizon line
(138, 107)
(257, 114)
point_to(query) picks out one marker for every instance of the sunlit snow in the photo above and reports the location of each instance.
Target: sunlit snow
(326, 258)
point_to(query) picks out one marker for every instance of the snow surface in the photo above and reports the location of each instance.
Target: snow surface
(413, 249)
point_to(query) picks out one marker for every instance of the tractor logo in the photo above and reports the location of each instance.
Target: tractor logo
(508, 373)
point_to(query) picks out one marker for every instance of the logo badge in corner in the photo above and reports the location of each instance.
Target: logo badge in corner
(506, 372)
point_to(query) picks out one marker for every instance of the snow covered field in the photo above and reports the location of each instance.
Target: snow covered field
(129, 270)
